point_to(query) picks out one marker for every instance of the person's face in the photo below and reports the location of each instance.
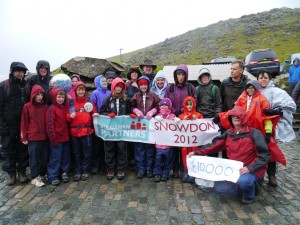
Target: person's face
(43, 71)
(134, 75)
(296, 62)
(109, 80)
(235, 71)
(250, 90)
(19, 74)
(118, 89)
(80, 91)
(39, 97)
(148, 69)
(189, 106)
(263, 80)
(60, 98)
(160, 82)
(180, 78)
(236, 121)
(144, 88)
(74, 80)
(164, 107)
(104, 82)
(204, 78)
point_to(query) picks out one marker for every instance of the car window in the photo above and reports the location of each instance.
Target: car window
(263, 55)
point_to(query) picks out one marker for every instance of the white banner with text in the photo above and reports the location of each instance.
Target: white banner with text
(185, 133)
(214, 169)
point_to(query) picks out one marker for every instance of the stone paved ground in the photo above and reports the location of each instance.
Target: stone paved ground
(133, 201)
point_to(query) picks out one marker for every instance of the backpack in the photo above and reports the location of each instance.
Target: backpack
(190, 89)
(213, 91)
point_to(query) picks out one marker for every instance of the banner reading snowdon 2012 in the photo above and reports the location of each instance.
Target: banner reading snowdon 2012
(166, 132)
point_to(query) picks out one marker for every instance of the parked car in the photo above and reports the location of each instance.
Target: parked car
(262, 59)
(227, 59)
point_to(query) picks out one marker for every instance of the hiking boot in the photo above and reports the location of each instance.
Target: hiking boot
(272, 181)
(55, 182)
(247, 201)
(121, 174)
(65, 178)
(110, 175)
(149, 174)
(23, 177)
(85, 176)
(191, 180)
(37, 182)
(140, 175)
(77, 177)
(11, 179)
(185, 177)
(157, 178)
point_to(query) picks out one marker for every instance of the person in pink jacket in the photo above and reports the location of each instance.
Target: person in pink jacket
(164, 154)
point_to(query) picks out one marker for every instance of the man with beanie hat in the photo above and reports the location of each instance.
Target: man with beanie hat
(110, 76)
(14, 93)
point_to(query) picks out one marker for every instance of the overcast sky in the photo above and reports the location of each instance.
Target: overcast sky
(58, 30)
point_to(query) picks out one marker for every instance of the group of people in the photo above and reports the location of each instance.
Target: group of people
(42, 127)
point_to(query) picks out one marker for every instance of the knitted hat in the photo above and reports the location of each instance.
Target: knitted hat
(143, 81)
(165, 101)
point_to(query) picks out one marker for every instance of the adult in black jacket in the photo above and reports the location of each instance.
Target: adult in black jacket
(43, 76)
(14, 93)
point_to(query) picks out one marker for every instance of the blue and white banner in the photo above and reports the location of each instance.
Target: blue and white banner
(185, 133)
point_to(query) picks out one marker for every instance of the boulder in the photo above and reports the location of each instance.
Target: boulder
(90, 67)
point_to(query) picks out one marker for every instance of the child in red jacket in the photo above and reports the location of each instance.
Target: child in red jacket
(189, 113)
(58, 134)
(34, 134)
(81, 132)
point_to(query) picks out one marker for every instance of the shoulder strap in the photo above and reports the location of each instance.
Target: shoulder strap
(213, 90)
(190, 90)
(197, 90)
(172, 89)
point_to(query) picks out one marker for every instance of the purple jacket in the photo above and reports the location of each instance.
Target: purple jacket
(100, 94)
(180, 90)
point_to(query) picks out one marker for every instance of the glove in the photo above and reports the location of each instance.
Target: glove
(271, 112)
(132, 115)
(268, 137)
(151, 113)
(158, 118)
(111, 115)
(138, 113)
(176, 119)
(216, 118)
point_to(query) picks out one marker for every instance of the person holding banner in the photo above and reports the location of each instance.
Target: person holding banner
(115, 151)
(189, 107)
(164, 154)
(245, 144)
(144, 104)
(177, 92)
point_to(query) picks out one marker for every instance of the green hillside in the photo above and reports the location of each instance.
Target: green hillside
(278, 29)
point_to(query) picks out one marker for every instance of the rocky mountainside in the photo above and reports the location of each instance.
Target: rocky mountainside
(278, 29)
